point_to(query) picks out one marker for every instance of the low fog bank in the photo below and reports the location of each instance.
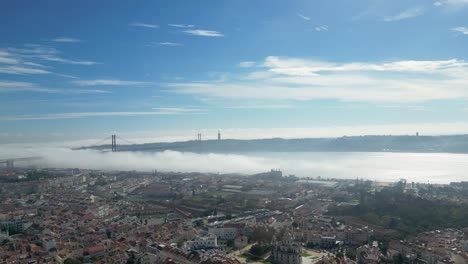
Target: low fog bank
(418, 167)
(141, 161)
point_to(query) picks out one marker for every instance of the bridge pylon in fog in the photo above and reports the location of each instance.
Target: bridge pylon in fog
(114, 143)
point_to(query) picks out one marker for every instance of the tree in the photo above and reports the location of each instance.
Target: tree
(311, 244)
(351, 253)
(72, 261)
(263, 234)
(259, 249)
(131, 259)
(230, 243)
(398, 259)
(295, 225)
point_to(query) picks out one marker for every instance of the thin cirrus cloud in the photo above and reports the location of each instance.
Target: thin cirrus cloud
(262, 106)
(168, 43)
(246, 64)
(7, 58)
(74, 115)
(462, 30)
(14, 86)
(110, 82)
(405, 14)
(11, 63)
(284, 78)
(25, 59)
(144, 25)
(54, 58)
(321, 28)
(303, 17)
(66, 40)
(21, 70)
(203, 33)
(176, 110)
(454, 4)
(181, 25)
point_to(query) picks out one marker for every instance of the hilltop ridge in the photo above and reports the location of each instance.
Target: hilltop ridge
(429, 144)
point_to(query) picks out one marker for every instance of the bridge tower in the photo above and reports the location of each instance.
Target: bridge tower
(114, 143)
(10, 164)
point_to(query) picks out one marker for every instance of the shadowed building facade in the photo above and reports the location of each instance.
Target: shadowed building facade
(286, 251)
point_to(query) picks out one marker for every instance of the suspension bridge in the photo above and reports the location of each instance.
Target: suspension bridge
(112, 147)
(101, 144)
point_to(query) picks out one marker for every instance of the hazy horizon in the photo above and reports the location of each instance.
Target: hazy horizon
(423, 129)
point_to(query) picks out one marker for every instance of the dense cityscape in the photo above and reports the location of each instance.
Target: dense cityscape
(67, 216)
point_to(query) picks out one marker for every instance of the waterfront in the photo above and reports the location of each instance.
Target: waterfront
(378, 166)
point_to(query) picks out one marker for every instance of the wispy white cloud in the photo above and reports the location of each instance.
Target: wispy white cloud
(67, 76)
(44, 53)
(261, 106)
(304, 67)
(303, 79)
(7, 58)
(12, 63)
(453, 4)
(181, 25)
(33, 49)
(20, 70)
(54, 58)
(113, 82)
(66, 40)
(33, 64)
(246, 64)
(405, 14)
(13, 86)
(144, 25)
(303, 17)
(85, 91)
(321, 28)
(462, 30)
(177, 109)
(168, 43)
(74, 115)
(204, 33)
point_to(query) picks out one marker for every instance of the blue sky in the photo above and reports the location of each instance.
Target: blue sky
(85, 69)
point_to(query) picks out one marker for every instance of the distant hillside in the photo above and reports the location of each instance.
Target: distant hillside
(451, 144)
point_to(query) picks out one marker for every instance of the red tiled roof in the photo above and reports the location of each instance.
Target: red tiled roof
(95, 249)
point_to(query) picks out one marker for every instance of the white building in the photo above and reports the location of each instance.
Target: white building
(224, 233)
(202, 242)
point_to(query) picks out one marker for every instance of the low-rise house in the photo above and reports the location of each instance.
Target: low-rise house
(202, 242)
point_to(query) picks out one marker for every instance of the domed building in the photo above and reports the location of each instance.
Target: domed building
(286, 251)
